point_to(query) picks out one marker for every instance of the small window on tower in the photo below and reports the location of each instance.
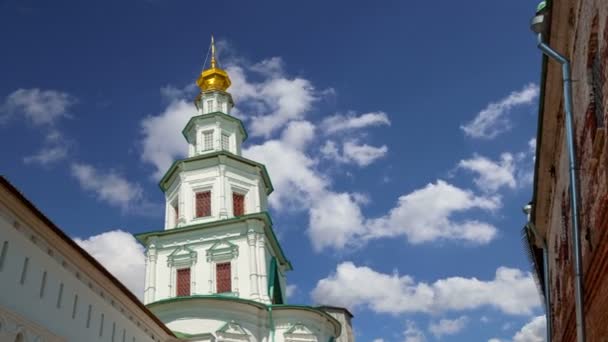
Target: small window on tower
(238, 204)
(176, 213)
(208, 140)
(209, 106)
(222, 275)
(183, 282)
(225, 142)
(203, 204)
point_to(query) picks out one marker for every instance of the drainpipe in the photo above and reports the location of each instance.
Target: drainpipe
(530, 226)
(538, 26)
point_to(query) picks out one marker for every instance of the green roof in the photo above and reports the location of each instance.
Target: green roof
(264, 216)
(178, 164)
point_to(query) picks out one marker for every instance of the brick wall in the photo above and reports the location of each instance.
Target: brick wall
(585, 23)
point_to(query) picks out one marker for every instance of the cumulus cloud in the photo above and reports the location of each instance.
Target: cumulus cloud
(448, 326)
(533, 331)
(119, 253)
(40, 107)
(162, 141)
(512, 292)
(492, 175)
(291, 290)
(274, 101)
(109, 187)
(353, 152)
(493, 119)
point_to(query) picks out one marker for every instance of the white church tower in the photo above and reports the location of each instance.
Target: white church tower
(217, 270)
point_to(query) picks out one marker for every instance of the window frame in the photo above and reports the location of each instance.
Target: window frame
(243, 196)
(196, 194)
(228, 265)
(205, 146)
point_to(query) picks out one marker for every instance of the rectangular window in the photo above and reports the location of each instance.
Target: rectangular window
(3, 254)
(222, 275)
(209, 106)
(208, 140)
(183, 282)
(225, 142)
(203, 204)
(24, 270)
(238, 204)
(176, 212)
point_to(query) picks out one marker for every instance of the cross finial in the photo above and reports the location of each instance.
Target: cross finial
(213, 60)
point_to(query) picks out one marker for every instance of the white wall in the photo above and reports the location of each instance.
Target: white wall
(50, 302)
(249, 267)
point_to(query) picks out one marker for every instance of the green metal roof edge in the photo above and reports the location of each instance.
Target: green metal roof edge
(141, 237)
(250, 302)
(224, 115)
(176, 163)
(182, 335)
(309, 308)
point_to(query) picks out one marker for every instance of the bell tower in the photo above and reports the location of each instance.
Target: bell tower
(218, 238)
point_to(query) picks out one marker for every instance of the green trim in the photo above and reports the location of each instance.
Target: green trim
(275, 292)
(179, 164)
(271, 322)
(264, 216)
(211, 115)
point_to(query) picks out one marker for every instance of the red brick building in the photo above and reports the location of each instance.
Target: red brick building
(577, 29)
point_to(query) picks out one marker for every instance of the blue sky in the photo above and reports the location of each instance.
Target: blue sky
(397, 134)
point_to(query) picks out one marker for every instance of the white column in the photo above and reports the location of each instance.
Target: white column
(152, 256)
(235, 275)
(182, 203)
(253, 274)
(262, 277)
(222, 188)
(211, 275)
(256, 195)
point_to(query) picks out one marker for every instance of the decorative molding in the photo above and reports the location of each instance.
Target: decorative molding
(222, 250)
(12, 324)
(300, 333)
(182, 256)
(232, 331)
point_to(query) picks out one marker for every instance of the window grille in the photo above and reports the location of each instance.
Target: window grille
(208, 140)
(222, 276)
(183, 282)
(238, 204)
(225, 142)
(203, 204)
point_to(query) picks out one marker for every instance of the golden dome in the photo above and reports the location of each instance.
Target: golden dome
(213, 78)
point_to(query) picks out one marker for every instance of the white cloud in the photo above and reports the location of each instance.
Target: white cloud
(493, 119)
(274, 101)
(55, 148)
(109, 187)
(512, 292)
(291, 290)
(492, 175)
(534, 331)
(378, 340)
(353, 152)
(448, 326)
(119, 253)
(40, 107)
(162, 140)
(298, 134)
(412, 333)
(338, 123)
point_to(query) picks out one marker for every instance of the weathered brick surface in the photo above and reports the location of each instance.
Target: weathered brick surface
(585, 41)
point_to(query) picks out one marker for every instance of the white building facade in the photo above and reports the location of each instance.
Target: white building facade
(217, 271)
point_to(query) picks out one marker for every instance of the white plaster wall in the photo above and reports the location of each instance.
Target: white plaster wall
(222, 180)
(249, 268)
(43, 306)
